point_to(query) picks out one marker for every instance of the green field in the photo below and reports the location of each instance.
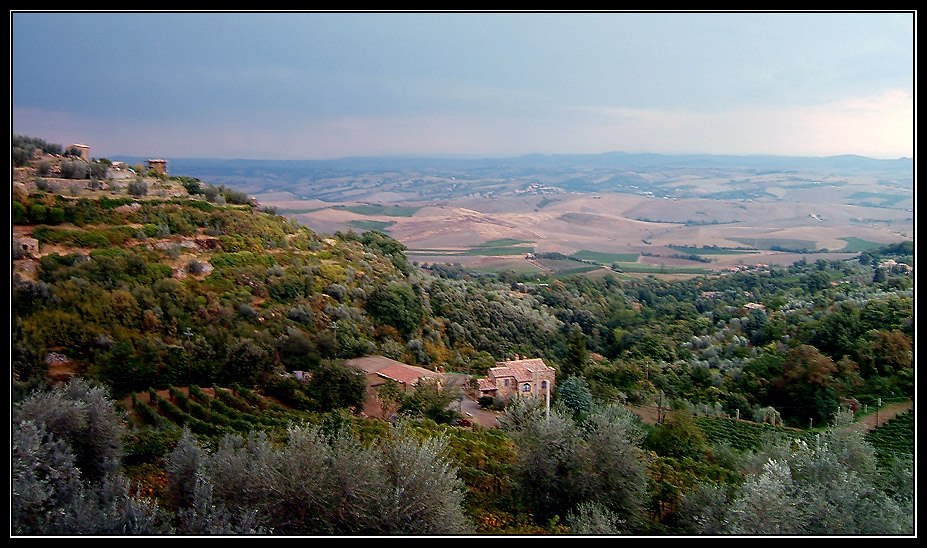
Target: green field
(502, 242)
(561, 266)
(778, 244)
(640, 268)
(740, 435)
(605, 258)
(388, 211)
(496, 251)
(474, 251)
(894, 438)
(711, 250)
(382, 226)
(230, 410)
(858, 245)
(886, 199)
(520, 267)
(299, 211)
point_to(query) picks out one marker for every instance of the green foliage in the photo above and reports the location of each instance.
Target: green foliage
(575, 361)
(335, 385)
(561, 464)
(281, 298)
(65, 454)
(332, 385)
(829, 487)
(244, 359)
(741, 435)
(605, 258)
(396, 304)
(431, 400)
(75, 238)
(365, 224)
(148, 445)
(192, 185)
(137, 187)
(679, 436)
(574, 395)
(856, 245)
(319, 484)
(894, 439)
(807, 388)
(240, 259)
(389, 211)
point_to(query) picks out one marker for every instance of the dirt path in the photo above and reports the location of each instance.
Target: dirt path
(885, 414)
(649, 414)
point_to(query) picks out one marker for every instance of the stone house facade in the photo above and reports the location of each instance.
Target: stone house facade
(521, 376)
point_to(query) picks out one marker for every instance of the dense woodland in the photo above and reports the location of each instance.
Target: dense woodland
(162, 283)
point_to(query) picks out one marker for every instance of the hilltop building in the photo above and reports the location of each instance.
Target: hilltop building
(82, 150)
(159, 165)
(522, 376)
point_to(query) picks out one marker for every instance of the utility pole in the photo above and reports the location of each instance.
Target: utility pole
(660, 409)
(547, 398)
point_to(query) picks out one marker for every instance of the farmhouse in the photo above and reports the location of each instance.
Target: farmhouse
(522, 376)
(380, 370)
(894, 266)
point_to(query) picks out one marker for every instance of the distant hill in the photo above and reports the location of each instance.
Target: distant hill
(616, 160)
(574, 172)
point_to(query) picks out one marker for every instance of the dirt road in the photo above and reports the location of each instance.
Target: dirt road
(885, 414)
(649, 414)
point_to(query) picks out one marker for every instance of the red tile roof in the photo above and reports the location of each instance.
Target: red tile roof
(522, 370)
(406, 374)
(487, 385)
(372, 364)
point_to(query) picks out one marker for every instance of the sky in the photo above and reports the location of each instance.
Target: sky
(321, 85)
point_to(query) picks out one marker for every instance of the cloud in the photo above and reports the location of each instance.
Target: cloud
(325, 85)
(880, 125)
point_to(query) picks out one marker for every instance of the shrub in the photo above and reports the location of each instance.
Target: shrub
(137, 187)
(316, 483)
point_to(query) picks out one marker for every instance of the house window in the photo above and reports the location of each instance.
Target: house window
(505, 382)
(526, 387)
(543, 384)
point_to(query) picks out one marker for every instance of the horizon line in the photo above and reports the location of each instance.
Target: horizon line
(451, 156)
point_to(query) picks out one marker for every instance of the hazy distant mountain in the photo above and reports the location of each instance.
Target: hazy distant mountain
(617, 160)
(432, 178)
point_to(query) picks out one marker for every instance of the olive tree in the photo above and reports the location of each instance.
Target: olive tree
(66, 477)
(829, 485)
(562, 464)
(317, 483)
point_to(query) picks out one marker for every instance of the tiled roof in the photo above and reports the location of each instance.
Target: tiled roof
(372, 364)
(391, 369)
(406, 374)
(522, 370)
(486, 385)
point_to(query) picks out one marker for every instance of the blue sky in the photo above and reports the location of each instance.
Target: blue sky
(328, 85)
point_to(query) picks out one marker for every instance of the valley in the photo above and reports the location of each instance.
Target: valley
(635, 210)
